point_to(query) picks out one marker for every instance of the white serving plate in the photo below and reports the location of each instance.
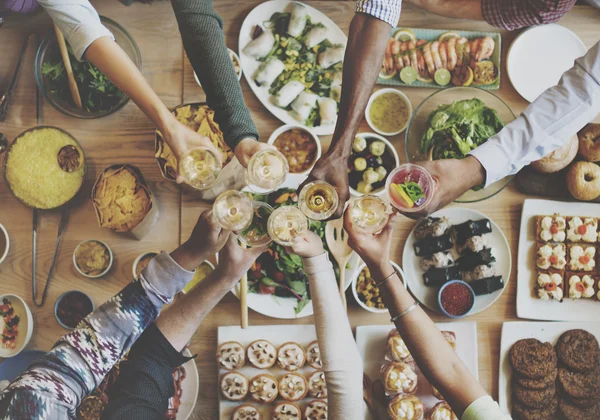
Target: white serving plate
(189, 388)
(539, 56)
(543, 331)
(277, 335)
(528, 305)
(260, 14)
(371, 341)
(428, 296)
(283, 308)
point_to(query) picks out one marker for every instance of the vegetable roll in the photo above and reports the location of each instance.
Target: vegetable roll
(478, 273)
(437, 260)
(303, 105)
(331, 56)
(436, 277)
(429, 246)
(297, 20)
(268, 71)
(473, 244)
(327, 111)
(473, 259)
(487, 285)
(288, 93)
(261, 45)
(431, 227)
(470, 228)
(315, 36)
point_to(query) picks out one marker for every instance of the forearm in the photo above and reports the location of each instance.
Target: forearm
(458, 9)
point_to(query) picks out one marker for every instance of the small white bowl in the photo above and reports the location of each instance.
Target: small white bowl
(137, 260)
(391, 147)
(289, 127)
(25, 325)
(379, 93)
(4, 232)
(355, 282)
(237, 57)
(110, 259)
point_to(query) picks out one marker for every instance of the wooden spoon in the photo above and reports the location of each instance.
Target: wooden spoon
(337, 241)
(62, 45)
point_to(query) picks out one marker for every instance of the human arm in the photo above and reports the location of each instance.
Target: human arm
(342, 363)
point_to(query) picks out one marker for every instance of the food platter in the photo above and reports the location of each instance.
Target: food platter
(371, 341)
(258, 16)
(190, 387)
(528, 305)
(428, 296)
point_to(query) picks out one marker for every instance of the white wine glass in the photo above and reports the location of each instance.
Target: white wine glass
(369, 213)
(318, 200)
(200, 167)
(266, 170)
(257, 234)
(233, 210)
(286, 223)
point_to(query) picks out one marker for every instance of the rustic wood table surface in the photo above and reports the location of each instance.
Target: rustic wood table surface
(127, 137)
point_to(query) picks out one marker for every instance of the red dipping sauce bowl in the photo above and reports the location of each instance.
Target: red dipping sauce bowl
(71, 307)
(410, 172)
(456, 299)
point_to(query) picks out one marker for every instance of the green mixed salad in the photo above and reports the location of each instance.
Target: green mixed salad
(456, 129)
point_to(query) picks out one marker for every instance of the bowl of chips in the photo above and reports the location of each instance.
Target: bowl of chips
(92, 258)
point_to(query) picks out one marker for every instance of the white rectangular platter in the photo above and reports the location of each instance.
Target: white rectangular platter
(528, 305)
(543, 331)
(372, 345)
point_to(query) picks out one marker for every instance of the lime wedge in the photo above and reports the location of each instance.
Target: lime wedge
(404, 35)
(447, 35)
(442, 77)
(408, 75)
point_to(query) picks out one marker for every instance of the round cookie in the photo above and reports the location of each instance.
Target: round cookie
(543, 383)
(581, 402)
(580, 385)
(532, 358)
(521, 412)
(534, 398)
(578, 350)
(572, 412)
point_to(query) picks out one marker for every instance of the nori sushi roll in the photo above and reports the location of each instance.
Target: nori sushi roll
(470, 228)
(473, 259)
(487, 285)
(431, 227)
(430, 246)
(436, 277)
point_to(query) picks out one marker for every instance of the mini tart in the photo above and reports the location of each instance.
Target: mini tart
(406, 407)
(399, 378)
(293, 387)
(263, 388)
(396, 348)
(551, 228)
(549, 286)
(581, 285)
(551, 256)
(231, 355)
(441, 411)
(246, 412)
(286, 411)
(291, 356)
(316, 410)
(582, 258)
(261, 354)
(582, 229)
(317, 387)
(234, 386)
(313, 356)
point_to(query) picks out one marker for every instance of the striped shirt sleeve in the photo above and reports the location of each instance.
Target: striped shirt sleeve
(385, 10)
(515, 14)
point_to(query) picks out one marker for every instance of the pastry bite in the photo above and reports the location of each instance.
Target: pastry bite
(317, 387)
(551, 228)
(261, 354)
(450, 337)
(263, 388)
(396, 348)
(293, 387)
(406, 407)
(581, 285)
(313, 355)
(245, 412)
(441, 411)
(231, 355)
(551, 256)
(234, 386)
(582, 229)
(291, 356)
(437, 394)
(581, 258)
(316, 410)
(549, 286)
(286, 411)
(399, 378)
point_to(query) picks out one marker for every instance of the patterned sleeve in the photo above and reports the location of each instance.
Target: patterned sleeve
(515, 14)
(386, 10)
(54, 385)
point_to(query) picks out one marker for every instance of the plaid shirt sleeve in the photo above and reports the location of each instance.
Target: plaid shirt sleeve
(515, 14)
(386, 10)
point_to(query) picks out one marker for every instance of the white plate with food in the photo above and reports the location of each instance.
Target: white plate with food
(479, 255)
(544, 332)
(291, 56)
(232, 341)
(579, 295)
(372, 343)
(539, 56)
(16, 325)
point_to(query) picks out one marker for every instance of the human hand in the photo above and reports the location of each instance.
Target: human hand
(373, 248)
(234, 260)
(307, 245)
(247, 148)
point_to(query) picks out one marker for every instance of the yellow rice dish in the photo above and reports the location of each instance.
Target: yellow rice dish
(33, 171)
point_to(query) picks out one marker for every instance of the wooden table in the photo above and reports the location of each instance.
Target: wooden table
(127, 137)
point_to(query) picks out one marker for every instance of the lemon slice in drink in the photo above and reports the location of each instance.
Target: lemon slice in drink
(408, 75)
(447, 35)
(404, 35)
(442, 77)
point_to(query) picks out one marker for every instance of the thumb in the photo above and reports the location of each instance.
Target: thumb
(180, 179)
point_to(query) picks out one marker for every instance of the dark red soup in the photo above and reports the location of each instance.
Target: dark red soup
(73, 307)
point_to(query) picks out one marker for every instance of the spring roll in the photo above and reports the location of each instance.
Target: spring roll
(261, 45)
(331, 56)
(268, 71)
(303, 105)
(297, 20)
(315, 36)
(327, 111)
(288, 93)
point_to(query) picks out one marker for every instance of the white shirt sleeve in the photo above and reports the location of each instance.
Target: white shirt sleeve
(78, 21)
(386, 10)
(548, 123)
(484, 408)
(342, 363)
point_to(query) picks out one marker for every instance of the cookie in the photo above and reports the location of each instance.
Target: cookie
(522, 412)
(580, 385)
(291, 356)
(578, 350)
(231, 355)
(533, 359)
(543, 383)
(234, 386)
(317, 387)
(581, 402)
(316, 410)
(534, 398)
(286, 411)
(293, 387)
(572, 412)
(263, 388)
(313, 355)
(246, 412)
(262, 354)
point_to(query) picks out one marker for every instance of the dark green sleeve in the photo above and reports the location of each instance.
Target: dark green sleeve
(202, 34)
